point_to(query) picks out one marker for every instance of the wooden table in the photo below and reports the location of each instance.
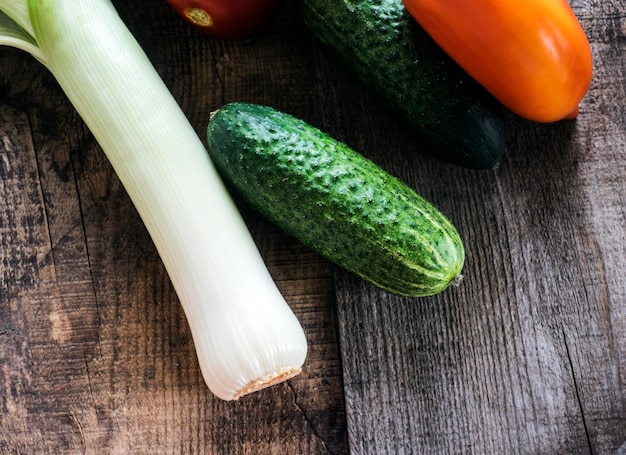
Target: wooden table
(527, 356)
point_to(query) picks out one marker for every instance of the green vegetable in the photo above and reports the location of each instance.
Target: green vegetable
(245, 334)
(334, 200)
(454, 118)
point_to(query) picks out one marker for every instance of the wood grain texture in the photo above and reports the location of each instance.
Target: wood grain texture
(95, 352)
(526, 356)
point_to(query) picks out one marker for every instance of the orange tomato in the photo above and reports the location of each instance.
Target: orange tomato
(532, 55)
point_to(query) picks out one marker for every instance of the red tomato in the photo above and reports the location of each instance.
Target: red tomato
(226, 19)
(532, 55)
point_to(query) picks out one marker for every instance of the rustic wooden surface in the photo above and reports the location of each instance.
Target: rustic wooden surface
(527, 356)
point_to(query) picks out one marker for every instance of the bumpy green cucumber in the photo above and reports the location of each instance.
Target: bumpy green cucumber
(454, 118)
(334, 200)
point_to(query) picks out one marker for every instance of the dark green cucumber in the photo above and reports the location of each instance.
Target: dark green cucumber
(334, 200)
(454, 118)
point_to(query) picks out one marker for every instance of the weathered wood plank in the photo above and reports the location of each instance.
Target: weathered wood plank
(527, 355)
(95, 352)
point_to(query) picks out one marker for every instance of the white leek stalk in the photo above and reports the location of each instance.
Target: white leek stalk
(12, 34)
(245, 334)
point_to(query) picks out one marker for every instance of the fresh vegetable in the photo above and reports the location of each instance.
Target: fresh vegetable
(245, 334)
(226, 19)
(454, 118)
(13, 35)
(334, 200)
(532, 55)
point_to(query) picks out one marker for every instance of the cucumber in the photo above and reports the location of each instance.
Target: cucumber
(334, 200)
(453, 118)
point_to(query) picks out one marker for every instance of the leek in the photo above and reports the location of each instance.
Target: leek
(246, 336)
(12, 34)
